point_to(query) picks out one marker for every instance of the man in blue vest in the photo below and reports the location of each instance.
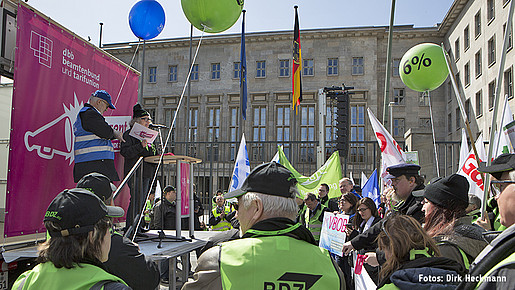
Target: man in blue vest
(494, 267)
(93, 148)
(274, 251)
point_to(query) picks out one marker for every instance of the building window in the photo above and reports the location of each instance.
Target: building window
(193, 124)
(213, 133)
(398, 127)
(398, 96)
(308, 67)
(490, 10)
(508, 83)
(510, 36)
(330, 124)
(491, 51)
(478, 63)
(332, 66)
(357, 66)
(168, 117)
(283, 128)
(307, 133)
(467, 74)
(466, 38)
(457, 49)
(458, 118)
(261, 69)
(479, 104)
(152, 74)
(258, 132)
(395, 68)
(423, 99)
(357, 133)
(467, 108)
(172, 73)
(449, 123)
(233, 128)
(458, 80)
(215, 71)
(194, 73)
(477, 24)
(236, 70)
(284, 68)
(491, 94)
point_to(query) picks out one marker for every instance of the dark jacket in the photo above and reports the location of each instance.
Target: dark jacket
(166, 211)
(330, 203)
(412, 206)
(408, 275)
(131, 150)
(92, 121)
(128, 263)
(358, 229)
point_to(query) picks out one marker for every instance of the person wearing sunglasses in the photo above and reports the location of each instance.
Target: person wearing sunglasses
(132, 149)
(445, 201)
(93, 149)
(495, 264)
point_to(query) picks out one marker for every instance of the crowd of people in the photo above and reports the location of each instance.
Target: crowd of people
(429, 236)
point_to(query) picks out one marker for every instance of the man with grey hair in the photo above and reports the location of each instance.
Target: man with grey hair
(93, 148)
(274, 251)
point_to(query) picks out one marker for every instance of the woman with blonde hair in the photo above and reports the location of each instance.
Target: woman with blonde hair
(412, 257)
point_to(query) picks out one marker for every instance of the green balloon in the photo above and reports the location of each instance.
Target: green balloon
(212, 15)
(423, 67)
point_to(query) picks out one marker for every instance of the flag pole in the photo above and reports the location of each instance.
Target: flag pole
(388, 64)
(296, 76)
(243, 80)
(496, 107)
(434, 137)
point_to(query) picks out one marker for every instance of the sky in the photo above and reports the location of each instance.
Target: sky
(83, 16)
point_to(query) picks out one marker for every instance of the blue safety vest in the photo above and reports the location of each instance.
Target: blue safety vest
(88, 146)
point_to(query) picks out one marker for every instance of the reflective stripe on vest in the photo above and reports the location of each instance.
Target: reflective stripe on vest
(88, 146)
(313, 224)
(509, 260)
(276, 262)
(223, 225)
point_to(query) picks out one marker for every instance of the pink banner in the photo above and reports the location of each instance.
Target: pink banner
(55, 73)
(185, 189)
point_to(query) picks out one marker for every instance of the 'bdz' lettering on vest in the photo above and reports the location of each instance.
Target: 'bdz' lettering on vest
(292, 281)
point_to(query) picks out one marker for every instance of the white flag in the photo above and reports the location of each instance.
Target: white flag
(363, 179)
(503, 140)
(158, 191)
(464, 149)
(241, 166)
(469, 169)
(391, 152)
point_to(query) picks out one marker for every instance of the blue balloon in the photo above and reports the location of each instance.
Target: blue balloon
(147, 19)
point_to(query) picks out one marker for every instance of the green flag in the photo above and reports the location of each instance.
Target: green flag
(330, 173)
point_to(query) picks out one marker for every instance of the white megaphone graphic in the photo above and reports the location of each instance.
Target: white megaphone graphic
(69, 116)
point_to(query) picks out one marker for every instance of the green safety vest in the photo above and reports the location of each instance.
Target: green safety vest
(509, 260)
(148, 207)
(313, 224)
(276, 262)
(47, 276)
(223, 225)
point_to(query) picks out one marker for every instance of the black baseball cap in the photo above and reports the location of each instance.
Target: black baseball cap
(77, 211)
(504, 162)
(99, 184)
(270, 178)
(403, 169)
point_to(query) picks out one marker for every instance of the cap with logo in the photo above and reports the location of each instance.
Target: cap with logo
(270, 178)
(504, 162)
(99, 184)
(76, 211)
(403, 169)
(104, 96)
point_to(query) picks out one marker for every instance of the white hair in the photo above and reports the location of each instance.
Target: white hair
(273, 206)
(93, 99)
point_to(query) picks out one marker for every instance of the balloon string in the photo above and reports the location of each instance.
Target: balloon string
(126, 73)
(170, 131)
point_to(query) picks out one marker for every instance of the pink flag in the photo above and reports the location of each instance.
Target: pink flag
(469, 168)
(391, 152)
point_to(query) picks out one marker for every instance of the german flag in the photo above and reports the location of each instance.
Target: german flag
(297, 65)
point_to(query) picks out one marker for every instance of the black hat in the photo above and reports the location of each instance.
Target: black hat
(441, 191)
(270, 178)
(403, 169)
(505, 162)
(138, 111)
(77, 211)
(104, 96)
(99, 184)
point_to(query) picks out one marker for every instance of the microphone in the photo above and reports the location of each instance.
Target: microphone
(158, 126)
